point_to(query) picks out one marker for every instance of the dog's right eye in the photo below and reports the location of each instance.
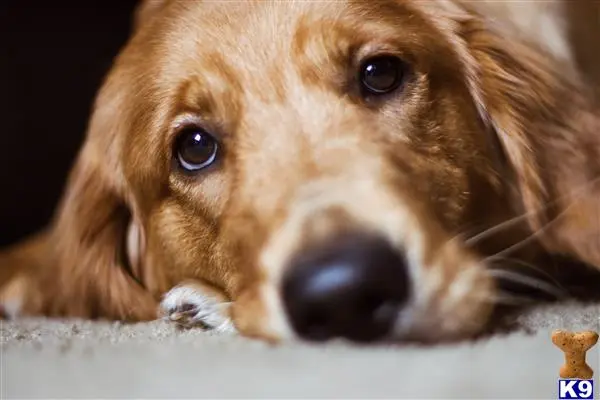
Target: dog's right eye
(195, 149)
(380, 75)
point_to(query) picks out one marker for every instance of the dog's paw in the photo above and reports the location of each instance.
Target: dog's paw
(192, 305)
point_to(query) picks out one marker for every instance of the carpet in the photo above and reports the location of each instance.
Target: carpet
(43, 358)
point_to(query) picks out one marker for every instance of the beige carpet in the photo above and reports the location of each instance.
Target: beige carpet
(81, 359)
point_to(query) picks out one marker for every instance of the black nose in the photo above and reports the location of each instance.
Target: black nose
(352, 287)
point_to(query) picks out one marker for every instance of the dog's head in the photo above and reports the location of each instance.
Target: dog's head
(319, 162)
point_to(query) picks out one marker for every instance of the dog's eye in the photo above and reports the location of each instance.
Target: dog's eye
(196, 149)
(382, 74)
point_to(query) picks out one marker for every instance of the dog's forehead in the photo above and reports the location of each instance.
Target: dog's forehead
(215, 52)
(246, 29)
(227, 49)
(252, 34)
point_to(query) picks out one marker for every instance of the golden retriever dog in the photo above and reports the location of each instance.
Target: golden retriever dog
(366, 170)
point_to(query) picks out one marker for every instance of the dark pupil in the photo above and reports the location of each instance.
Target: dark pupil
(381, 75)
(197, 148)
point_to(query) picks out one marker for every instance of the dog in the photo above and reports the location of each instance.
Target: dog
(343, 169)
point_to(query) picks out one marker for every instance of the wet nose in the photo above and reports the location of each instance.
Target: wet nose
(351, 287)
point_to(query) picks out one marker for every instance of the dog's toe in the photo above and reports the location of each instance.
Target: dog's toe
(192, 305)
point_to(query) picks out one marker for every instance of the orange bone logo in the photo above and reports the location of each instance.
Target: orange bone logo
(575, 345)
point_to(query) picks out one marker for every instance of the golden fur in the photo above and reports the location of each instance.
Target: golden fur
(490, 127)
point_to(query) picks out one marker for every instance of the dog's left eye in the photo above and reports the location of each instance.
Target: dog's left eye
(381, 74)
(196, 149)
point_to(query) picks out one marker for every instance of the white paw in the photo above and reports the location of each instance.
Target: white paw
(190, 305)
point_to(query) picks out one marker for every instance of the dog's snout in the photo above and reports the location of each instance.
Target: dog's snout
(352, 287)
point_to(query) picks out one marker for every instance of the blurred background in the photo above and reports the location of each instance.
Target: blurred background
(53, 57)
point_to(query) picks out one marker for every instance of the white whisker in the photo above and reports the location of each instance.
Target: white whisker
(498, 228)
(528, 265)
(513, 221)
(527, 281)
(506, 299)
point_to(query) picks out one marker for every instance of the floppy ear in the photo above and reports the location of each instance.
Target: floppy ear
(516, 97)
(90, 231)
(544, 120)
(78, 268)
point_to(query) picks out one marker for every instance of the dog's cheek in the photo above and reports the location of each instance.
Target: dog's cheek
(179, 247)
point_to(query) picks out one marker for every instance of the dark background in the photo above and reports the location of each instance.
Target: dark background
(53, 57)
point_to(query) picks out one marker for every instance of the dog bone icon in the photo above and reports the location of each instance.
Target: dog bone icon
(575, 345)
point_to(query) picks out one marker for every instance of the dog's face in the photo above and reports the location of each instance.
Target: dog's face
(316, 161)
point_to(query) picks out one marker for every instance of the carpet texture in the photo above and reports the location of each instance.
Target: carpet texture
(81, 359)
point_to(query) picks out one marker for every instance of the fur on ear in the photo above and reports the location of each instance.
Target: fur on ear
(544, 120)
(516, 97)
(89, 239)
(78, 267)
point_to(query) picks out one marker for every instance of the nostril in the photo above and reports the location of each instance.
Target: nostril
(385, 311)
(369, 303)
(351, 288)
(316, 325)
(376, 305)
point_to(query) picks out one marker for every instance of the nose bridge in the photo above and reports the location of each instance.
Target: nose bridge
(329, 206)
(293, 147)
